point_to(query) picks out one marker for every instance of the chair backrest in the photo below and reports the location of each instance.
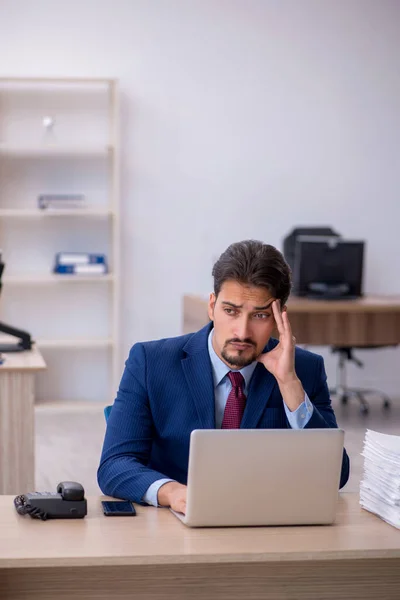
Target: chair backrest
(107, 411)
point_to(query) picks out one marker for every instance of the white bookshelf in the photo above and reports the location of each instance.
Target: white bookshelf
(74, 319)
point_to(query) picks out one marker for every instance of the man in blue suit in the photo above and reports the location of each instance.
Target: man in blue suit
(229, 374)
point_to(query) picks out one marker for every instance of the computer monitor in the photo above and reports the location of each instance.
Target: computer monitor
(328, 267)
(289, 242)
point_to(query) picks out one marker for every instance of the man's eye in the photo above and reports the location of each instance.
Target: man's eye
(262, 315)
(229, 311)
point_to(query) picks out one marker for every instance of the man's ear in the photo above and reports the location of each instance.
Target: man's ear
(211, 305)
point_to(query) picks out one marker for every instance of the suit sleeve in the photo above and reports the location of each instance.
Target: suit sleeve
(123, 471)
(323, 415)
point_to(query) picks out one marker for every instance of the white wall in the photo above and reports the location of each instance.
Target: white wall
(241, 118)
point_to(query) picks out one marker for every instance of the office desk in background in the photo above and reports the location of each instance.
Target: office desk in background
(17, 444)
(368, 321)
(153, 555)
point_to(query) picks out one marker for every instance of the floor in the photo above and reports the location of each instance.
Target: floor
(69, 441)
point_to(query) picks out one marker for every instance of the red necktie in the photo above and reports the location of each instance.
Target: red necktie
(236, 402)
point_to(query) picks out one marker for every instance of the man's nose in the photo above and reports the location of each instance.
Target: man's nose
(242, 328)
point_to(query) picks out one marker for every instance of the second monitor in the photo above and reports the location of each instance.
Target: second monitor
(328, 267)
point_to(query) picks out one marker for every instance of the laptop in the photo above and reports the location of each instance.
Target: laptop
(248, 477)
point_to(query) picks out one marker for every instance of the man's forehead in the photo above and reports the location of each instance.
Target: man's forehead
(245, 295)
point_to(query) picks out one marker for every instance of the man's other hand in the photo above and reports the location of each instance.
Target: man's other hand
(173, 494)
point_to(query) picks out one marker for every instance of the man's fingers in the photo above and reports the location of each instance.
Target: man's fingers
(182, 507)
(179, 507)
(278, 316)
(282, 321)
(179, 503)
(286, 324)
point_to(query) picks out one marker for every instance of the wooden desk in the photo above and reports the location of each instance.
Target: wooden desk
(369, 321)
(17, 447)
(154, 556)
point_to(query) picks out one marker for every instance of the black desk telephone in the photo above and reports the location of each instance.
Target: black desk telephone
(68, 503)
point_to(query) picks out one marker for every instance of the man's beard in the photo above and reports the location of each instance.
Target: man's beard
(240, 359)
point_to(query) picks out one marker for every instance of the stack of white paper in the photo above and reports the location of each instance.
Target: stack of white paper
(380, 485)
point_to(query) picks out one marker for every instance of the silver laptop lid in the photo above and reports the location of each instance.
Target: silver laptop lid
(263, 477)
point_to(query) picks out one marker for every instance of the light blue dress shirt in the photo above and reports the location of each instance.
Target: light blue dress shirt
(222, 386)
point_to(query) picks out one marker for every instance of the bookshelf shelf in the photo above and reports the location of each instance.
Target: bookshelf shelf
(74, 344)
(53, 278)
(56, 151)
(53, 213)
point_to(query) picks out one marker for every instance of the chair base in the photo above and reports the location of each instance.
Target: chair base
(344, 394)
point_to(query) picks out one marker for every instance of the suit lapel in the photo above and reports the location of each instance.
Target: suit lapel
(198, 373)
(260, 389)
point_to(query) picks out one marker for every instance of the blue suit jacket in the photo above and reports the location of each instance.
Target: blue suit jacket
(167, 390)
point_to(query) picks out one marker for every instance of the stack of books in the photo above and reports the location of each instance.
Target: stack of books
(80, 263)
(380, 485)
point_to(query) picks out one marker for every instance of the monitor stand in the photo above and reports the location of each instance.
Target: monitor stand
(24, 343)
(327, 291)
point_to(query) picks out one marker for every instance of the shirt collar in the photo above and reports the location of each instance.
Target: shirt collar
(220, 369)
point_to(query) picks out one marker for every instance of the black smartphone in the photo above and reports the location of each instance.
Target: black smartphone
(118, 508)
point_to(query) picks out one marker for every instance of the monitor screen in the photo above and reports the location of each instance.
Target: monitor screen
(328, 267)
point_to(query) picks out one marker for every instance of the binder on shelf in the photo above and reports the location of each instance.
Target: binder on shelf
(61, 201)
(80, 263)
(79, 269)
(79, 258)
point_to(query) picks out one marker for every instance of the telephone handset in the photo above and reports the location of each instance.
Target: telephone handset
(68, 503)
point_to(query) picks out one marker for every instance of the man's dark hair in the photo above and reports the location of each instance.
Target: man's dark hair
(254, 263)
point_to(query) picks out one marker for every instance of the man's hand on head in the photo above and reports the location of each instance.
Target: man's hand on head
(280, 360)
(173, 495)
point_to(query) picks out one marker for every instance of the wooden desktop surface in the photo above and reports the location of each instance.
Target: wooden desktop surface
(153, 555)
(27, 360)
(367, 321)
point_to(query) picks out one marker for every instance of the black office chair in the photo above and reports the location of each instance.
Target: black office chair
(342, 391)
